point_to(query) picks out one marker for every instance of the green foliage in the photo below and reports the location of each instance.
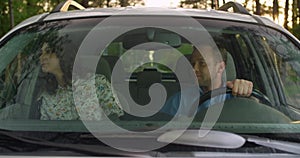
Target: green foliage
(296, 31)
(22, 9)
(4, 19)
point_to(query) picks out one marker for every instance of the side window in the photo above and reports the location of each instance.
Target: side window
(286, 58)
(289, 71)
(238, 45)
(22, 79)
(15, 65)
(246, 68)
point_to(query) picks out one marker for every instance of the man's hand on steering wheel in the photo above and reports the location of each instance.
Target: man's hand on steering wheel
(237, 87)
(240, 87)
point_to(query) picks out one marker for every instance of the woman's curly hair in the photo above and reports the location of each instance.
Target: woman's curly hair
(66, 61)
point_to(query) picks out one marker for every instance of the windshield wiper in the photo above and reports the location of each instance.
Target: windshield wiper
(82, 148)
(214, 139)
(276, 144)
(224, 140)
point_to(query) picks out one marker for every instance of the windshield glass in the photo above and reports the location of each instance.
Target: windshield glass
(51, 73)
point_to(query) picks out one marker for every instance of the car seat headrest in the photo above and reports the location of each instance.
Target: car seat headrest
(103, 68)
(148, 77)
(230, 68)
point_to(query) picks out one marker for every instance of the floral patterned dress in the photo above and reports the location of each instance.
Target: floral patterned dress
(60, 106)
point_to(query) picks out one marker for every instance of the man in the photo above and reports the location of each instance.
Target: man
(209, 69)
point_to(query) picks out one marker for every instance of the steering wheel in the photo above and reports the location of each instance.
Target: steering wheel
(242, 109)
(221, 91)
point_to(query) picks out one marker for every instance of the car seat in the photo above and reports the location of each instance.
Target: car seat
(144, 80)
(230, 68)
(104, 68)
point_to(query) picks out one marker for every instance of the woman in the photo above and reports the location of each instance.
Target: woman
(57, 99)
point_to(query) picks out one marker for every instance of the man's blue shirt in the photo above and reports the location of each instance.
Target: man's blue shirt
(187, 108)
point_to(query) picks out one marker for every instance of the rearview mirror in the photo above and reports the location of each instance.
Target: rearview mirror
(137, 37)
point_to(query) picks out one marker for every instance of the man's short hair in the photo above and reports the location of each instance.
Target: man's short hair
(222, 50)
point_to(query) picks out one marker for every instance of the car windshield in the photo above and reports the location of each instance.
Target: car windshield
(133, 72)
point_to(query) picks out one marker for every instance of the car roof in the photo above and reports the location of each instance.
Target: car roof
(243, 16)
(96, 12)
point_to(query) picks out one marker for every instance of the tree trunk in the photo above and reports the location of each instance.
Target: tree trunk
(11, 14)
(123, 3)
(298, 8)
(258, 6)
(107, 3)
(295, 13)
(217, 4)
(85, 3)
(275, 10)
(212, 4)
(286, 14)
(298, 15)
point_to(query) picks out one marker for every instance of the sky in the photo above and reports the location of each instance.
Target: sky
(161, 3)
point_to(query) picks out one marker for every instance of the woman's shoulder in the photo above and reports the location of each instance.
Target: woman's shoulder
(100, 77)
(97, 81)
(101, 80)
(90, 79)
(96, 77)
